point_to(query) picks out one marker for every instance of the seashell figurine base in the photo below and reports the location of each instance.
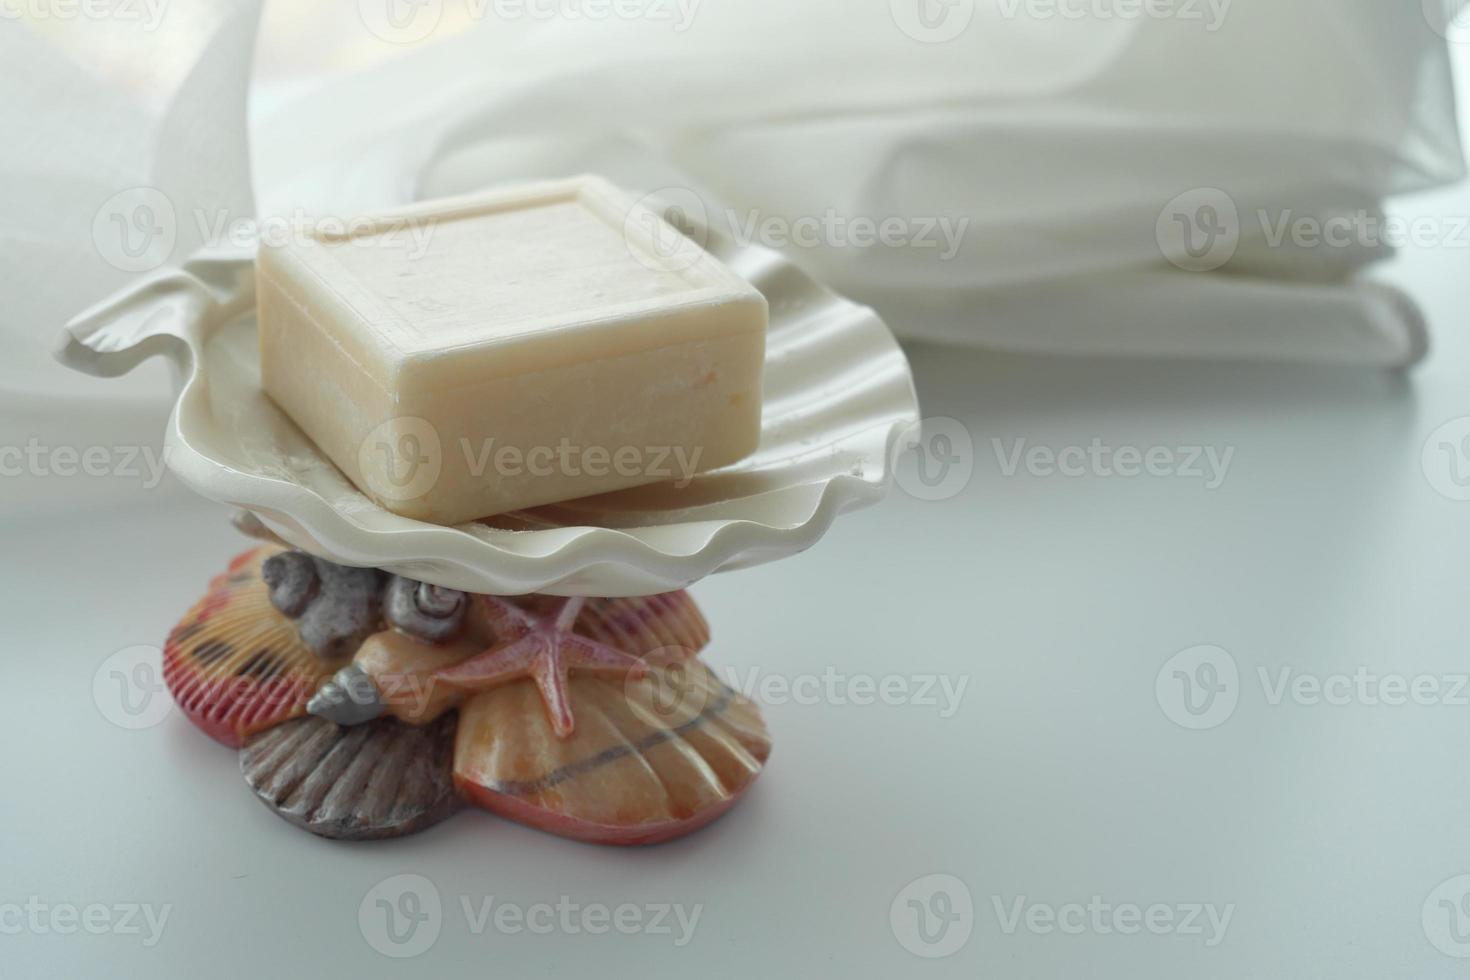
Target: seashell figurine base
(366, 705)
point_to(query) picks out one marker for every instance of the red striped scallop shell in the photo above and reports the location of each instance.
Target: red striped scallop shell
(234, 664)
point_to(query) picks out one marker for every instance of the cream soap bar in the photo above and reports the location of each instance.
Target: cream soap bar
(472, 356)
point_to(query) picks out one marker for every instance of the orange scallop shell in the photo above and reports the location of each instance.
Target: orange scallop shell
(650, 760)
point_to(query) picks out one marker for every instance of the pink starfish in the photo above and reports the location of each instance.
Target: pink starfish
(543, 648)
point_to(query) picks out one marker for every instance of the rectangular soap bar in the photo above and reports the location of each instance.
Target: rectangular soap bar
(468, 357)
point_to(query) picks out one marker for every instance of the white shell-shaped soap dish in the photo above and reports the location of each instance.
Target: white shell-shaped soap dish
(839, 406)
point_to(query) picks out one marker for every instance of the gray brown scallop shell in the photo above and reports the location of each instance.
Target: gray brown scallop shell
(369, 782)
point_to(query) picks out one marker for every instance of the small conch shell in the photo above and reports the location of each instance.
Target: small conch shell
(402, 668)
(349, 698)
(651, 759)
(236, 665)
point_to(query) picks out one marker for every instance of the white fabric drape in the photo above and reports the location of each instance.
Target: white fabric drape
(1049, 147)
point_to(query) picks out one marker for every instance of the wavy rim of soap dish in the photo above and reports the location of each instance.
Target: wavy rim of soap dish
(175, 312)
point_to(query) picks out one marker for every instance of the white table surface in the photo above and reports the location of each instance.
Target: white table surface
(1323, 829)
